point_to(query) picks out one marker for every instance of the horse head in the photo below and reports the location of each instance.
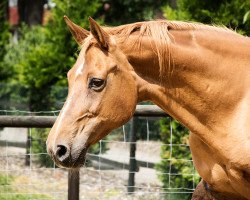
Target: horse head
(97, 100)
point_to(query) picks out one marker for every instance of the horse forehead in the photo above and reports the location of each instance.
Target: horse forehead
(96, 57)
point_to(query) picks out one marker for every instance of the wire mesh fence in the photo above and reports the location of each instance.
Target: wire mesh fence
(162, 170)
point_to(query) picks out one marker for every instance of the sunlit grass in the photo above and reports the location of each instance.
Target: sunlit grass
(9, 191)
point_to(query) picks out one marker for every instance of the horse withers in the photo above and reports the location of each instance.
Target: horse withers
(198, 74)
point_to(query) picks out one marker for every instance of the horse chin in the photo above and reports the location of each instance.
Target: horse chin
(80, 161)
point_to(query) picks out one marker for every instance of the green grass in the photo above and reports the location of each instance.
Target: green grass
(5, 180)
(23, 196)
(8, 192)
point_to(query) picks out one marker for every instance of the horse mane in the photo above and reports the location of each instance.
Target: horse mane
(158, 30)
(128, 29)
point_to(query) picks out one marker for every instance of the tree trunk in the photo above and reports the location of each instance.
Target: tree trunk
(31, 11)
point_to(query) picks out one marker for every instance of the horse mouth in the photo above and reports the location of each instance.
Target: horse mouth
(80, 161)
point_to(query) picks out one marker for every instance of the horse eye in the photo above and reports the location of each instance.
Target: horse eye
(96, 83)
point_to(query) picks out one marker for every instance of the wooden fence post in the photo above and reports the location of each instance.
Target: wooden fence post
(28, 145)
(73, 184)
(132, 160)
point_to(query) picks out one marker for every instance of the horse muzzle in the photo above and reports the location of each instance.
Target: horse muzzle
(66, 156)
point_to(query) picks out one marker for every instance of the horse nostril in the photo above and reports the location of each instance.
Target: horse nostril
(62, 153)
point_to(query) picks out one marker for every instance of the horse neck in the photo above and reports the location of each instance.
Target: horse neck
(203, 67)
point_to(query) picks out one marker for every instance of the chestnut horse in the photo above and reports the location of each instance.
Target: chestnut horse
(198, 74)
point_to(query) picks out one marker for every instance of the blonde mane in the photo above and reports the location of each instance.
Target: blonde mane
(159, 31)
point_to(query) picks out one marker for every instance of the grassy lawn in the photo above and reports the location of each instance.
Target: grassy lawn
(8, 192)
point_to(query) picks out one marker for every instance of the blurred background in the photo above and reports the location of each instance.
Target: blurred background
(37, 50)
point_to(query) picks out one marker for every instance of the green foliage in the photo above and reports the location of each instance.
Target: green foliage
(4, 40)
(173, 14)
(13, 96)
(176, 159)
(142, 125)
(231, 13)
(38, 147)
(99, 147)
(5, 72)
(127, 11)
(37, 66)
(246, 17)
(43, 55)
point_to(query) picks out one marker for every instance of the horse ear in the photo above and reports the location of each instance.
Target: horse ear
(100, 35)
(78, 32)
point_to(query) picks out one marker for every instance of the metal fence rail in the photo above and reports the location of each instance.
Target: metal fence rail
(48, 121)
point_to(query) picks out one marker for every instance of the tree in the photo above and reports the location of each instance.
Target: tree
(117, 12)
(4, 39)
(5, 72)
(31, 11)
(234, 14)
(45, 53)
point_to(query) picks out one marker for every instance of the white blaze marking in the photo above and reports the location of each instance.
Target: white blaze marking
(63, 112)
(80, 69)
